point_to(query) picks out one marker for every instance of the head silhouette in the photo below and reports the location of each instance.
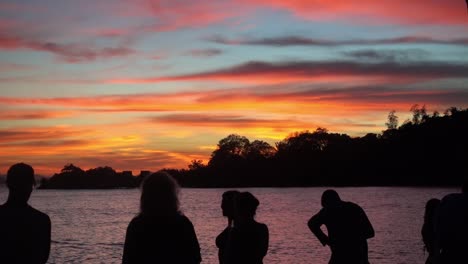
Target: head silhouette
(246, 205)
(431, 207)
(330, 198)
(227, 204)
(159, 195)
(20, 181)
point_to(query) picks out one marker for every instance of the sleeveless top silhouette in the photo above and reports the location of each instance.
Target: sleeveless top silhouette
(24, 235)
(161, 240)
(221, 242)
(348, 229)
(247, 243)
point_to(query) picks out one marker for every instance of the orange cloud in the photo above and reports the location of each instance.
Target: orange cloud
(10, 135)
(52, 147)
(134, 161)
(279, 99)
(225, 121)
(37, 114)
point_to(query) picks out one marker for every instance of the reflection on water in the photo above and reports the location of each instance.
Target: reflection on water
(88, 226)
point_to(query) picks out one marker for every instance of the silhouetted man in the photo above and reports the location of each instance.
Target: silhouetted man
(24, 231)
(348, 229)
(452, 228)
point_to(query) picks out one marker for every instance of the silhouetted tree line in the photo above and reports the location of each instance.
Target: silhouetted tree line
(73, 177)
(428, 150)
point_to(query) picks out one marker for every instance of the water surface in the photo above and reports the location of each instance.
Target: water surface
(88, 226)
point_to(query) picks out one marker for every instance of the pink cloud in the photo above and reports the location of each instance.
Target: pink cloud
(9, 67)
(186, 14)
(371, 11)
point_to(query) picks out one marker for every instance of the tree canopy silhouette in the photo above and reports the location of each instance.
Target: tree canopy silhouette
(429, 150)
(73, 177)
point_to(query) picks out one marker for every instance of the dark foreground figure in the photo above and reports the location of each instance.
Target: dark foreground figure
(227, 206)
(248, 239)
(348, 229)
(452, 228)
(428, 230)
(160, 233)
(24, 231)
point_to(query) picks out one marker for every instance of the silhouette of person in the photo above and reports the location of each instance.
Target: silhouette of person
(24, 231)
(428, 229)
(160, 233)
(452, 228)
(227, 205)
(348, 229)
(248, 240)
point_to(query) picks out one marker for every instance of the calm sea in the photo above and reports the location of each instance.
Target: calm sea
(88, 226)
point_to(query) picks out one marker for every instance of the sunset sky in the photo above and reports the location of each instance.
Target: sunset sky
(143, 84)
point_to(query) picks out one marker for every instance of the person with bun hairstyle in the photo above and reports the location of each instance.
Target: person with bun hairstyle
(248, 241)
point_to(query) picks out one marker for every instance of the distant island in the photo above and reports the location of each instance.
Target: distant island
(428, 150)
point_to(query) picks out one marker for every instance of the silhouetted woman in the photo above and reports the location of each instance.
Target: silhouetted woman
(160, 233)
(248, 241)
(428, 232)
(227, 205)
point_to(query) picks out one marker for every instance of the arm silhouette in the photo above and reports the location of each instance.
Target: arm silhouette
(130, 251)
(314, 225)
(194, 246)
(264, 241)
(368, 230)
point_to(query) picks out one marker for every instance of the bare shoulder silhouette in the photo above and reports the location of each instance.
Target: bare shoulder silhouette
(160, 233)
(348, 229)
(24, 231)
(248, 241)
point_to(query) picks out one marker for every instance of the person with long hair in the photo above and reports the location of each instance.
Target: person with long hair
(428, 229)
(160, 233)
